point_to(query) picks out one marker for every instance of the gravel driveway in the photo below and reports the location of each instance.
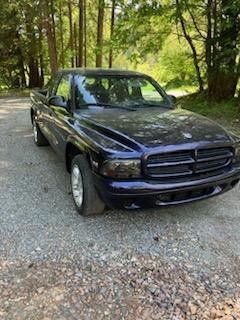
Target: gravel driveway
(177, 263)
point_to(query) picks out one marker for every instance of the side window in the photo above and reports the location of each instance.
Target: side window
(64, 87)
(149, 93)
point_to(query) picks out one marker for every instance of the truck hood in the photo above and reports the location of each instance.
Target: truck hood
(153, 127)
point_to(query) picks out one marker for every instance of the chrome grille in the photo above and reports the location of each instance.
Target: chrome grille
(189, 163)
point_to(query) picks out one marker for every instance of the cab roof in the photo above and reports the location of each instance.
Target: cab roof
(101, 72)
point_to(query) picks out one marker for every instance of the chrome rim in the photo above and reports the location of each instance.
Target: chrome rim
(35, 134)
(77, 185)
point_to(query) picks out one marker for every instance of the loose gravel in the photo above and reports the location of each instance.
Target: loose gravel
(174, 263)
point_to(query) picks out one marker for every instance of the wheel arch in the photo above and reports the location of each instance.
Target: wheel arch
(73, 148)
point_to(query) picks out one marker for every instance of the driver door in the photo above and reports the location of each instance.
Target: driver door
(60, 115)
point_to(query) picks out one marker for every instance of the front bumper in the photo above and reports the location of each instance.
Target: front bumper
(133, 194)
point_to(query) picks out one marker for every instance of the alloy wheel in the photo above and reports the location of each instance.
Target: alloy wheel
(77, 185)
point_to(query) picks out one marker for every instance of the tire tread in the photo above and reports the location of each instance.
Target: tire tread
(92, 204)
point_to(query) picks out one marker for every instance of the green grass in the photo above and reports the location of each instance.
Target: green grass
(226, 113)
(15, 93)
(186, 88)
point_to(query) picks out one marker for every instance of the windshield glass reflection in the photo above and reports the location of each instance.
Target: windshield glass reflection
(118, 91)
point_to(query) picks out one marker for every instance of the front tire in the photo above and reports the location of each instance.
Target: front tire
(38, 137)
(85, 196)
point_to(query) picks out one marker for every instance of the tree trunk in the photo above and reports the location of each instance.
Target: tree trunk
(51, 48)
(41, 76)
(75, 43)
(99, 56)
(21, 61)
(81, 32)
(111, 33)
(208, 41)
(61, 34)
(50, 39)
(41, 67)
(191, 44)
(53, 21)
(85, 32)
(71, 32)
(33, 72)
(22, 71)
(32, 50)
(222, 81)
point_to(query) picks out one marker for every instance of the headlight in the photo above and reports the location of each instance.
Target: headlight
(121, 168)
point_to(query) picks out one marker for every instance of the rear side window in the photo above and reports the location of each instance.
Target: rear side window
(64, 87)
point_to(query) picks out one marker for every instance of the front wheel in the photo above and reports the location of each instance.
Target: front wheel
(85, 196)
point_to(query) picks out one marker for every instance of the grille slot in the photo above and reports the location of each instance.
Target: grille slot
(179, 196)
(190, 164)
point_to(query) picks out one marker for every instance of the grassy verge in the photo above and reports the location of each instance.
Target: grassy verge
(181, 91)
(14, 93)
(226, 113)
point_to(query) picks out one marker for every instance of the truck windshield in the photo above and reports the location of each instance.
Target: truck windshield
(119, 91)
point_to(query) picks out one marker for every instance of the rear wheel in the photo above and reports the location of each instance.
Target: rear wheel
(85, 196)
(38, 137)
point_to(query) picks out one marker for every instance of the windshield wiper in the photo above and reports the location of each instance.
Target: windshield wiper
(106, 105)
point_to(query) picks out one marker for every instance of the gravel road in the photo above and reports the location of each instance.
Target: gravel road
(174, 263)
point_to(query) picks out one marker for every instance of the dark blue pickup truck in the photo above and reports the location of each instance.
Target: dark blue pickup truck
(127, 145)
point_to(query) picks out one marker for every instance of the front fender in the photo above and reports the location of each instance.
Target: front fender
(77, 144)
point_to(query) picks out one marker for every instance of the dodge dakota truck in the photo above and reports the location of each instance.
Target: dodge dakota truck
(127, 145)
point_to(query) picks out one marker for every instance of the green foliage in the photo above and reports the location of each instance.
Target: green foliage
(142, 28)
(8, 43)
(227, 113)
(169, 40)
(19, 93)
(175, 64)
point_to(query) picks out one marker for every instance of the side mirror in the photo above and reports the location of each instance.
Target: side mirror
(173, 98)
(57, 101)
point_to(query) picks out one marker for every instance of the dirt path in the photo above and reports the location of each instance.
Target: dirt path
(174, 263)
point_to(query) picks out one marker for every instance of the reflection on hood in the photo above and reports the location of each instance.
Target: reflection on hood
(160, 126)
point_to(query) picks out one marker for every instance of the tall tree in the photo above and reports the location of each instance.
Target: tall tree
(51, 38)
(23, 82)
(41, 60)
(75, 37)
(52, 13)
(61, 33)
(191, 44)
(85, 32)
(111, 33)
(216, 24)
(32, 42)
(99, 54)
(223, 72)
(71, 40)
(81, 32)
